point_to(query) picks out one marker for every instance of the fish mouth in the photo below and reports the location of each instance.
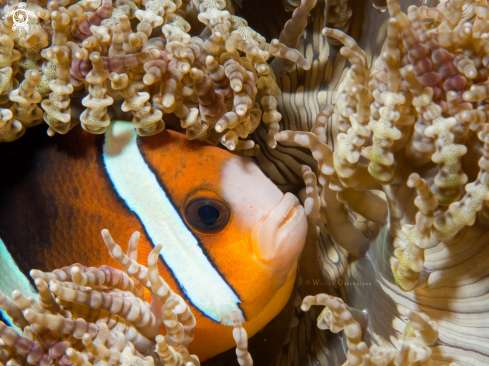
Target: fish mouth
(279, 238)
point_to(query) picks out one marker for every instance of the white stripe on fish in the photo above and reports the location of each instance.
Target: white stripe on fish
(138, 186)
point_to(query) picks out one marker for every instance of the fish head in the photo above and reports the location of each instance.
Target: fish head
(231, 239)
(250, 231)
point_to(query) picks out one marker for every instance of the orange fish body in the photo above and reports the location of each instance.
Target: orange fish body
(230, 238)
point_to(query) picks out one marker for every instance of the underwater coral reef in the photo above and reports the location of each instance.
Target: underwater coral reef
(374, 116)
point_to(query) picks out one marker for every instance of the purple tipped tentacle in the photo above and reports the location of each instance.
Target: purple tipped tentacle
(442, 59)
(418, 53)
(83, 31)
(80, 68)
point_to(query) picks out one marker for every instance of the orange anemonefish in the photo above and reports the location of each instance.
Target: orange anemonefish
(231, 239)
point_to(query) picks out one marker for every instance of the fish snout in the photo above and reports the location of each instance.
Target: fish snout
(279, 238)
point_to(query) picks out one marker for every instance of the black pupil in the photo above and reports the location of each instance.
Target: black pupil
(208, 214)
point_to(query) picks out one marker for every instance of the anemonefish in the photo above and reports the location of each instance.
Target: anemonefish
(231, 239)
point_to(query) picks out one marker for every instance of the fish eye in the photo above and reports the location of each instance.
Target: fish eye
(207, 215)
